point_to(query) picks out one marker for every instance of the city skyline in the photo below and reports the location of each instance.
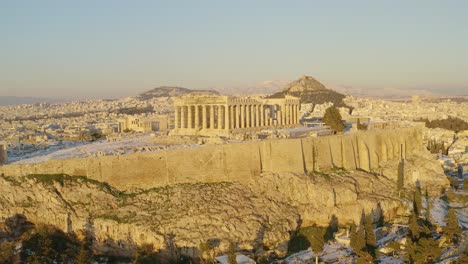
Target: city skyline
(115, 49)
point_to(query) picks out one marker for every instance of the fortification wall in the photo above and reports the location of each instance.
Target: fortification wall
(236, 162)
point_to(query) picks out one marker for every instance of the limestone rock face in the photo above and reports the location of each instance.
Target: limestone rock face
(319, 197)
(185, 214)
(420, 170)
(258, 214)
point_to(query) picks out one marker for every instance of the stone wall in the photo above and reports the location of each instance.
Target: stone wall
(237, 162)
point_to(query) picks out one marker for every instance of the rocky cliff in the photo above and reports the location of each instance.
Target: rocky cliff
(218, 194)
(259, 214)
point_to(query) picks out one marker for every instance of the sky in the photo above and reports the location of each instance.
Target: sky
(114, 48)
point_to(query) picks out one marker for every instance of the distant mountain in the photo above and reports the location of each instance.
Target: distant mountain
(311, 91)
(14, 100)
(168, 91)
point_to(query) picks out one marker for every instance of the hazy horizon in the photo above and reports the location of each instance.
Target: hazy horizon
(112, 49)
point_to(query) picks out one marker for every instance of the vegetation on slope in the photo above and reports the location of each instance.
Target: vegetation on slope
(450, 123)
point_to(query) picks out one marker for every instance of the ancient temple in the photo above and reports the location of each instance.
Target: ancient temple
(215, 115)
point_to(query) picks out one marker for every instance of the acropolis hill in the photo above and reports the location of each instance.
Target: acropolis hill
(194, 166)
(242, 162)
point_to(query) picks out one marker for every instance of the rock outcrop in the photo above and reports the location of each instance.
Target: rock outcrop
(311, 91)
(259, 214)
(188, 213)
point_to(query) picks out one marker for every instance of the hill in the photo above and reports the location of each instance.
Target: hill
(169, 91)
(311, 91)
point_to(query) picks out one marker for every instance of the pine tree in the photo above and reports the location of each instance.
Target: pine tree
(426, 250)
(414, 227)
(365, 258)
(452, 229)
(232, 254)
(332, 118)
(361, 239)
(205, 253)
(83, 256)
(316, 240)
(371, 244)
(380, 216)
(417, 202)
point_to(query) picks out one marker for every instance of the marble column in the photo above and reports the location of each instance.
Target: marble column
(197, 117)
(252, 116)
(232, 121)
(182, 117)
(220, 117)
(262, 115)
(176, 117)
(247, 116)
(242, 117)
(226, 117)
(189, 116)
(237, 116)
(298, 113)
(212, 116)
(204, 117)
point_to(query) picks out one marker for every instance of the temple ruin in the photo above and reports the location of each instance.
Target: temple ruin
(214, 115)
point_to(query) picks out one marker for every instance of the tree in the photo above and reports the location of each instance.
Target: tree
(371, 244)
(380, 216)
(364, 258)
(232, 254)
(426, 250)
(144, 255)
(394, 246)
(361, 239)
(414, 227)
(417, 202)
(316, 240)
(83, 256)
(400, 179)
(332, 118)
(361, 126)
(452, 228)
(6, 252)
(205, 253)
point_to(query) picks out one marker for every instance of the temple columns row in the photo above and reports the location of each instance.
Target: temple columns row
(234, 116)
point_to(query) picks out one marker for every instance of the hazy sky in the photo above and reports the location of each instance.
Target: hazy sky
(115, 48)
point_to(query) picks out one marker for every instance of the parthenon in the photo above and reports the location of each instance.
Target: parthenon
(214, 115)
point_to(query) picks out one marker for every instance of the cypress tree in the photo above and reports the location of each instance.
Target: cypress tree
(414, 227)
(417, 202)
(371, 244)
(316, 240)
(380, 216)
(452, 228)
(232, 254)
(361, 239)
